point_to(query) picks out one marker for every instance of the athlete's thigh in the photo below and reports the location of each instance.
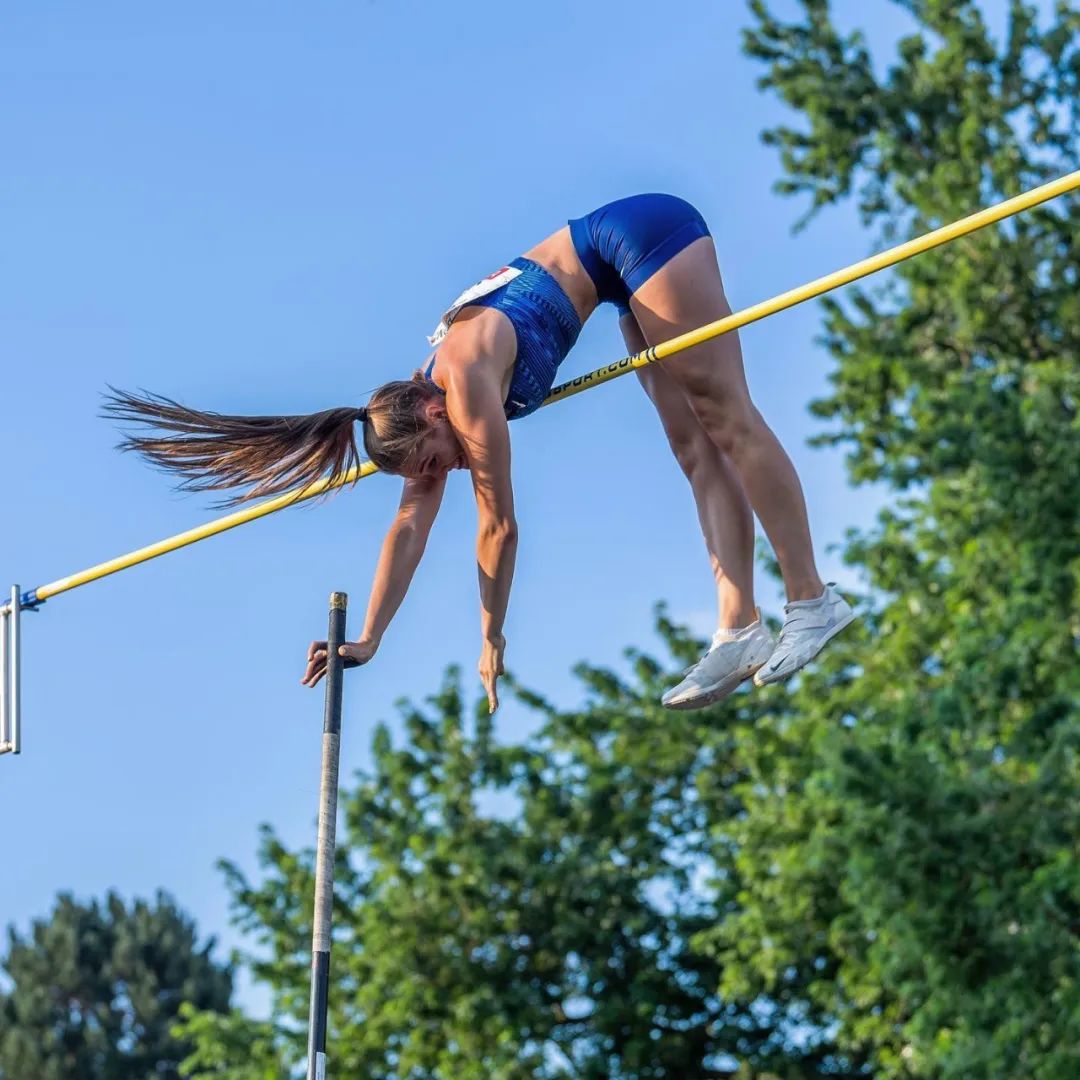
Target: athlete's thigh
(684, 294)
(680, 422)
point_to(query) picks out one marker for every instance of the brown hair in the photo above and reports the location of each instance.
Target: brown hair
(273, 454)
(394, 421)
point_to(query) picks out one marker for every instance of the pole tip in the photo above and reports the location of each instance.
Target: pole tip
(339, 601)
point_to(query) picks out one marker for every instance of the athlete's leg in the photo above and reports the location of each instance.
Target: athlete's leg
(684, 294)
(722, 507)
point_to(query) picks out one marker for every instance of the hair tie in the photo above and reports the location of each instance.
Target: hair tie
(361, 413)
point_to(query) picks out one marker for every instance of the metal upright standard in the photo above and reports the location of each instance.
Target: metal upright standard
(10, 732)
(325, 847)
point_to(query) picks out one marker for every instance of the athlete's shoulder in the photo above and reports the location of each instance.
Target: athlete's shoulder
(479, 333)
(503, 276)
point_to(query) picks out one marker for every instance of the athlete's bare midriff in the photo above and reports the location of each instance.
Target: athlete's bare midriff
(475, 328)
(557, 256)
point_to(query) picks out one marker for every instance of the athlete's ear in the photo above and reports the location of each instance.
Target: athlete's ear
(435, 410)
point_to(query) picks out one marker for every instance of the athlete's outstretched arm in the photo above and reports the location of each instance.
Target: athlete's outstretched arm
(401, 553)
(475, 408)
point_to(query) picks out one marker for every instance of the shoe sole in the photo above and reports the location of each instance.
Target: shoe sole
(718, 691)
(847, 620)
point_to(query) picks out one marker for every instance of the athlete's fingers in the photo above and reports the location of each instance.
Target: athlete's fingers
(491, 667)
(315, 668)
(491, 686)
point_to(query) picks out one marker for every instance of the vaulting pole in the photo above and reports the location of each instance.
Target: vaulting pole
(325, 846)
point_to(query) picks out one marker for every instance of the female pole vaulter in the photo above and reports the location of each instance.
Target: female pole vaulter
(496, 354)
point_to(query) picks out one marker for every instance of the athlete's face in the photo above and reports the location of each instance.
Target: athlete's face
(439, 451)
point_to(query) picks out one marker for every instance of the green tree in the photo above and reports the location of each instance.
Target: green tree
(513, 912)
(871, 872)
(916, 843)
(96, 988)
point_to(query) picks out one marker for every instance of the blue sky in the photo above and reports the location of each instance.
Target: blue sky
(263, 208)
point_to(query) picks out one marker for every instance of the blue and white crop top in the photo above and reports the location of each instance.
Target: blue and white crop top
(544, 320)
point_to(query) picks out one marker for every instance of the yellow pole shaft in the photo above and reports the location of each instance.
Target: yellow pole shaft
(762, 310)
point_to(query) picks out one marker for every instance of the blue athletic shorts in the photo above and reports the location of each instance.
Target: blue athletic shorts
(623, 244)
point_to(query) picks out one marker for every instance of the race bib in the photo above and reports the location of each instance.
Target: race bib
(474, 292)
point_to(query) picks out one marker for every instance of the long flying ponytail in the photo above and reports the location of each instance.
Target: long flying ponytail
(273, 454)
(212, 451)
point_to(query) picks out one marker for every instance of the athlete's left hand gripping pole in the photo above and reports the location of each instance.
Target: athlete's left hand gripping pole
(324, 853)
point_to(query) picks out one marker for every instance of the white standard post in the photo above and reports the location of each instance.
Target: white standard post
(15, 670)
(10, 732)
(5, 733)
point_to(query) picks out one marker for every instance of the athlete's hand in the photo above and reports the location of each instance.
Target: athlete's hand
(491, 667)
(355, 653)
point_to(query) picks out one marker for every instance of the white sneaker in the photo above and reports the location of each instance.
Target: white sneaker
(732, 658)
(808, 626)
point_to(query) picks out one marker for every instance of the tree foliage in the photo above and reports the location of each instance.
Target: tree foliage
(932, 860)
(522, 911)
(96, 988)
(871, 872)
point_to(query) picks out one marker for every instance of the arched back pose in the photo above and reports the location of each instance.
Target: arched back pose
(497, 352)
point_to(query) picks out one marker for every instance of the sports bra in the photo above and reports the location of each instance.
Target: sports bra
(545, 323)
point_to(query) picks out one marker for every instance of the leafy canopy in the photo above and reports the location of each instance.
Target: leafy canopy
(871, 872)
(96, 988)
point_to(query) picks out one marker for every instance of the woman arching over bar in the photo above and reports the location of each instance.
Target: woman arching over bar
(497, 351)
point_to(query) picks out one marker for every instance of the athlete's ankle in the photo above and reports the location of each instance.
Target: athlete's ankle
(737, 618)
(805, 589)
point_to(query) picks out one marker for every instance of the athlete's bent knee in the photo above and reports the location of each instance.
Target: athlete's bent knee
(731, 425)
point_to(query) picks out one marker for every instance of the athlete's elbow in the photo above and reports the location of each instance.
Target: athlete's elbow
(409, 534)
(499, 530)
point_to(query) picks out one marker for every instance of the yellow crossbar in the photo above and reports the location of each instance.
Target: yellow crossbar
(785, 300)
